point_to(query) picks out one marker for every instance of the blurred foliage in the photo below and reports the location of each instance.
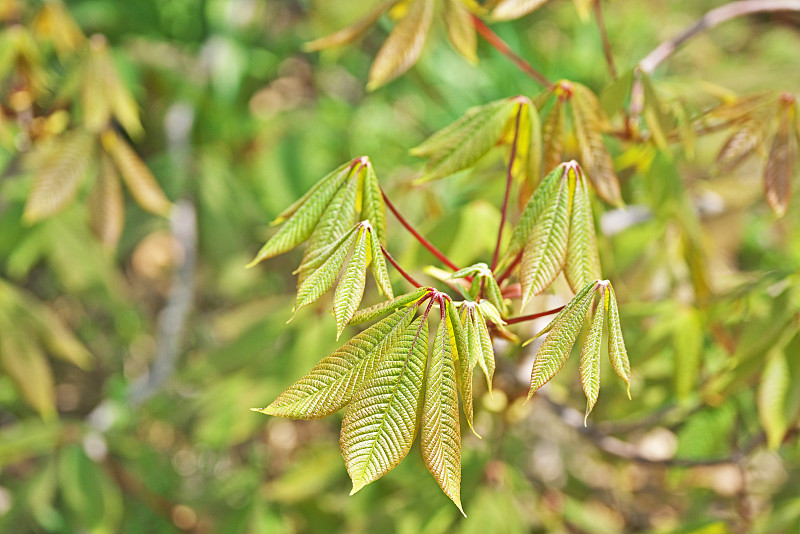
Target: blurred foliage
(114, 419)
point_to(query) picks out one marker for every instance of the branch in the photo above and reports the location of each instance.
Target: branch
(710, 20)
(399, 269)
(419, 237)
(601, 26)
(531, 317)
(501, 46)
(509, 177)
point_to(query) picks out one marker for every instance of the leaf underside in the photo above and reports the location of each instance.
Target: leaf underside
(582, 264)
(589, 369)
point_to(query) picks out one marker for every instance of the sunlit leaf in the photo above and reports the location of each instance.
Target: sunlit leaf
(583, 263)
(351, 33)
(460, 30)
(378, 264)
(772, 392)
(23, 361)
(351, 285)
(403, 46)
(552, 136)
(514, 9)
(59, 174)
(373, 209)
(616, 345)
(440, 436)
(589, 369)
(378, 310)
(333, 381)
(380, 423)
(460, 355)
(325, 275)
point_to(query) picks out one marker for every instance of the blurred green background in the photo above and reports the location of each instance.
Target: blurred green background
(151, 432)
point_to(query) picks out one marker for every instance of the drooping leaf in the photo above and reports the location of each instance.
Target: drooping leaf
(529, 144)
(301, 218)
(333, 381)
(552, 136)
(378, 310)
(589, 122)
(22, 360)
(616, 345)
(545, 252)
(351, 285)
(514, 9)
(583, 263)
(565, 310)
(780, 164)
(741, 143)
(373, 207)
(479, 343)
(351, 33)
(460, 145)
(440, 437)
(482, 277)
(106, 204)
(554, 351)
(59, 175)
(403, 46)
(323, 278)
(589, 368)
(460, 30)
(381, 421)
(460, 354)
(137, 177)
(379, 270)
(772, 392)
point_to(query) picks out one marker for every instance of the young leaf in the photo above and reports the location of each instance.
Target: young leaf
(616, 345)
(460, 145)
(332, 382)
(461, 358)
(780, 163)
(351, 33)
(379, 270)
(589, 369)
(351, 286)
(460, 30)
(772, 391)
(487, 362)
(380, 423)
(106, 204)
(582, 264)
(482, 275)
(440, 437)
(59, 177)
(545, 252)
(741, 143)
(554, 351)
(378, 310)
(589, 122)
(373, 208)
(403, 46)
(514, 9)
(529, 143)
(479, 343)
(565, 310)
(137, 177)
(552, 136)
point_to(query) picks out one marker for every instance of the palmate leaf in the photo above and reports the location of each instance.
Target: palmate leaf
(460, 355)
(460, 30)
(514, 9)
(381, 421)
(482, 277)
(461, 144)
(583, 263)
(780, 164)
(562, 332)
(479, 343)
(333, 381)
(351, 286)
(351, 33)
(404, 45)
(378, 310)
(440, 437)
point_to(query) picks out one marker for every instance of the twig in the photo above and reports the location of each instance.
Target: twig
(601, 26)
(531, 317)
(419, 237)
(509, 177)
(710, 20)
(501, 46)
(399, 269)
(510, 268)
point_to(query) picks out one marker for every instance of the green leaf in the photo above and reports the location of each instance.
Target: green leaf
(107, 205)
(555, 349)
(687, 338)
(546, 250)
(380, 423)
(323, 278)
(351, 286)
(534, 209)
(378, 310)
(379, 270)
(514, 9)
(23, 361)
(616, 345)
(460, 355)
(553, 136)
(440, 437)
(583, 263)
(577, 298)
(613, 97)
(479, 343)
(403, 46)
(351, 33)
(460, 30)
(529, 143)
(302, 217)
(487, 362)
(589, 369)
(373, 207)
(463, 143)
(772, 393)
(333, 381)
(481, 274)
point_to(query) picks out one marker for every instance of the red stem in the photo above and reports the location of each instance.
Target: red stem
(523, 318)
(501, 46)
(399, 269)
(510, 268)
(425, 243)
(509, 176)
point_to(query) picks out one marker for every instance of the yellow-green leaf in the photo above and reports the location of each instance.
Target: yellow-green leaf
(589, 369)
(373, 207)
(616, 345)
(583, 262)
(461, 358)
(106, 204)
(514, 9)
(379, 270)
(553, 136)
(22, 360)
(351, 33)
(403, 46)
(351, 286)
(741, 143)
(314, 286)
(460, 30)
(378, 310)
(780, 164)
(380, 423)
(772, 392)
